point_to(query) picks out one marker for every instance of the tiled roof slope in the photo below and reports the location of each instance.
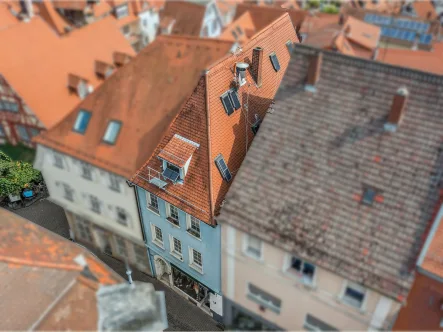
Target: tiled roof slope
(424, 9)
(188, 17)
(39, 270)
(263, 16)
(145, 95)
(429, 61)
(300, 187)
(240, 30)
(6, 17)
(49, 14)
(36, 54)
(204, 189)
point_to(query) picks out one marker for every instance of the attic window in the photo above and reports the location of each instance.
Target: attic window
(230, 101)
(239, 30)
(223, 168)
(171, 172)
(234, 34)
(112, 132)
(81, 123)
(369, 194)
(290, 46)
(103, 69)
(274, 61)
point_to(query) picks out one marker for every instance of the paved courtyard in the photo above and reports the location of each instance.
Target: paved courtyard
(182, 314)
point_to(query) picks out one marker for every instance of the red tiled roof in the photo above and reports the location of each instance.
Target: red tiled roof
(36, 54)
(49, 14)
(242, 27)
(188, 17)
(6, 17)
(145, 95)
(178, 151)
(70, 4)
(101, 8)
(217, 133)
(424, 9)
(362, 33)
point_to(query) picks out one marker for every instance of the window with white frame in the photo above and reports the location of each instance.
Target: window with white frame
(114, 183)
(301, 268)
(83, 230)
(172, 214)
(314, 324)
(122, 216)
(253, 246)
(196, 260)
(68, 192)
(264, 298)
(86, 171)
(58, 160)
(95, 204)
(176, 247)
(157, 235)
(152, 202)
(120, 246)
(354, 295)
(193, 226)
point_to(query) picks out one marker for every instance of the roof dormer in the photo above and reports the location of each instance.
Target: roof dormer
(79, 85)
(103, 70)
(121, 58)
(176, 157)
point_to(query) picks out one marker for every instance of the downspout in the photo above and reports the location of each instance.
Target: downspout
(208, 120)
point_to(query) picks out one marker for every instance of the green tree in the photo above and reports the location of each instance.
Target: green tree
(330, 9)
(15, 175)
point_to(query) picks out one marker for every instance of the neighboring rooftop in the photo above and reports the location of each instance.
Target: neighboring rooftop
(239, 30)
(214, 117)
(424, 9)
(144, 97)
(36, 54)
(187, 17)
(346, 171)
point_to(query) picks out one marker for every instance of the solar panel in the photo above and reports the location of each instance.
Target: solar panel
(170, 174)
(274, 61)
(425, 39)
(223, 168)
(234, 99)
(227, 104)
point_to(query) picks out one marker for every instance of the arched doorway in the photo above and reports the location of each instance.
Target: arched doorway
(163, 270)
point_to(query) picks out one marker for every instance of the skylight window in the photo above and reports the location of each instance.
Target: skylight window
(223, 168)
(274, 61)
(230, 101)
(368, 195)
(112, 131)
(82, 121)
(234, 34)
(239, 30)
(290, 46)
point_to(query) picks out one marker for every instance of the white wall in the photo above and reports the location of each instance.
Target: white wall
(149, 21)
(212, 21)
(99, 187)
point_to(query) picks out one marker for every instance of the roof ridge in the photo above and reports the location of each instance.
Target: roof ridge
(30, 262)
(375, 65)
(194, 38)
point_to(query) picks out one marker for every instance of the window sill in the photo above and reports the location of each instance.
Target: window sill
(263, 303)
(300, 279)
(175, 255)
(156, 212)
(258, 259)
(173, 222)
(195, 237)
(196, 268)
(159, 244)
(360, 309)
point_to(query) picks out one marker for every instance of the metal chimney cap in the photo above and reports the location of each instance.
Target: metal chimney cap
(242, 65)
(403, 91)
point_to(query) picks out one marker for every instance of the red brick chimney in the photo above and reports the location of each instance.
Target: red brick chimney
(397, 109)
(256, 67)
(314, 69)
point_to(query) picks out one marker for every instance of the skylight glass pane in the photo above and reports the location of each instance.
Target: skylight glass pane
(112, 132)
(82, 121)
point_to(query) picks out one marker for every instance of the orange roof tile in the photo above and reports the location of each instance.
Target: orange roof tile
(36, 54)
(178, 150)
(6, 17)
(429, 61)
(204, 189)
(188, 17)
(424, 9)
(101, 8)
(145, 95)
(240, 29)
(342, 45)
(362, 33)
(70, 4)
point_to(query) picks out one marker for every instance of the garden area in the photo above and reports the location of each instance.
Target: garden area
(329, 7)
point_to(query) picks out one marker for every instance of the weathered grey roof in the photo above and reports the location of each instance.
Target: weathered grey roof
(301, 183)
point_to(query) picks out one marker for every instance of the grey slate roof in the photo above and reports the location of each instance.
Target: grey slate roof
(301, 182)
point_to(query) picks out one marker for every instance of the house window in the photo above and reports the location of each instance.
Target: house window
(141, 256)
(121, 11)
(22, 133)
(126, 30)
(196, 260)
(176, 247)
(274, 61)
(315, 324)
(86, 171)
(214, 27)
(145, 22)
(253, 247)
(193, 226)
(122, 216)
(302, 269)
(157, 235)
(152, 201)
(114, 183)
(239, 30)
(68, 192)
(230, 101)
(171, 172)
(234, 34)
(112, 131)
(264, 298)
(172, 213)
(368, 196)
(82, 121)
(34, 132)
(223, 168)
(83, 230)
(95, 204)
(290, 46)
(354, 295)
(120, 246)
(58, 160)
(2, 131)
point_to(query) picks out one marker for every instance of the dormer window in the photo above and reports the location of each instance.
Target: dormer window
(274, 61)
(82, 121)
(120, 58)
(103, 70)
(176, 157)
(79, 85)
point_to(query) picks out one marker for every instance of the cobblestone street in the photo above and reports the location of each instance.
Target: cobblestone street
(182, 314)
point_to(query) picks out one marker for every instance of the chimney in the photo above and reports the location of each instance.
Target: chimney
(256, 68)
(397, 109)
(314, 70)
(29, 9)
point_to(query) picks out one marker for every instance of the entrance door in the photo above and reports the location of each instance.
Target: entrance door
(162, 270)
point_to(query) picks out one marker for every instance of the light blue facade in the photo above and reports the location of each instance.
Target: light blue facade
(208, 245)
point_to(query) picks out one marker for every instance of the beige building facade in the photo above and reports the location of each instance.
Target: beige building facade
(265, 287)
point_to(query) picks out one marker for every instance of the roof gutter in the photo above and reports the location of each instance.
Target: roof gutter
(208, 120)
